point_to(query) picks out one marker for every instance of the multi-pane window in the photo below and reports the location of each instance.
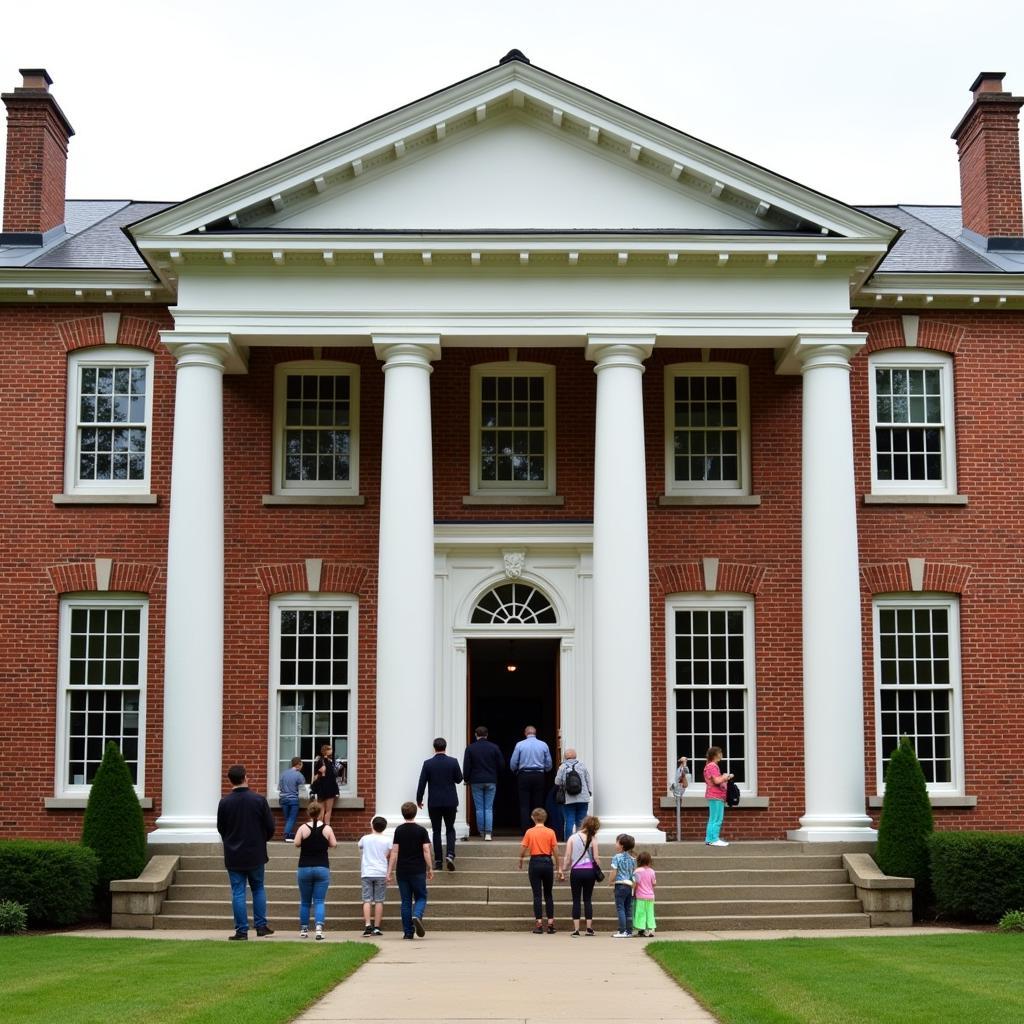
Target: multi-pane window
(706, 428)
(514, 603)
(917, 674)
(102, 675)
(109, 415)
(513, 428)
(912, 426)
(711, 682)
(313, 673)
(317, 423)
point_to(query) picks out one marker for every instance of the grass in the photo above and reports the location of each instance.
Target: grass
(68, 980)
(896, 980)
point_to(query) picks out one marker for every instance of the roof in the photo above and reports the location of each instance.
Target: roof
(92, 238)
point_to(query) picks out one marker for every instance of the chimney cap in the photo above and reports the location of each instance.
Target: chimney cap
(35, 78)
(988, 81)
(514, 55)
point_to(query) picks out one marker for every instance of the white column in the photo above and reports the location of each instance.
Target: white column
(621, 763)
(832, 665)
(405, 583)
(194, 628)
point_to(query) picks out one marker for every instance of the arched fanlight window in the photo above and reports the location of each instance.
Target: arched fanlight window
(514, 603)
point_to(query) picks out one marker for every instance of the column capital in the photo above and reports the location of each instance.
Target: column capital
(813, 351)
(407, 349)
(217, 351)
(623, 350)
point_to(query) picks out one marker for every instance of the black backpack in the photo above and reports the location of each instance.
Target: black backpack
(573, 781)
(732, 794)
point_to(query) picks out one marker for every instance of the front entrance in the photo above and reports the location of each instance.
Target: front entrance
(512, 684)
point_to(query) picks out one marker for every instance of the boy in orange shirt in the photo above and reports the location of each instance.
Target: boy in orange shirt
(542, 844)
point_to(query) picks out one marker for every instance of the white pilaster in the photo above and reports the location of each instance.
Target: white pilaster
(623, 792)
(405, 584)
(194, 629)
(832, 665)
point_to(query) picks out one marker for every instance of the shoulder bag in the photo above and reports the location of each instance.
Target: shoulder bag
(598, 873)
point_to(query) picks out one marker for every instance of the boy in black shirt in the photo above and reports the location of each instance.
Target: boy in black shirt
(410, 863)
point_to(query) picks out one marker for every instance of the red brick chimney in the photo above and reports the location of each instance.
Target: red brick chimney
(37, 157)
(987, 139)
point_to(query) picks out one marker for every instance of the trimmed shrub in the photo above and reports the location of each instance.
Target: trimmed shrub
(13, 917)
(906, 824)
(1012, 921)
(54, 881)
(113, 824)
(978, 876)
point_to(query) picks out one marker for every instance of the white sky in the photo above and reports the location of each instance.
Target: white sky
(171, 98)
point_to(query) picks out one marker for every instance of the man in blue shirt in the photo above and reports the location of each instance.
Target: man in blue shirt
(531, 760)
(288, 790)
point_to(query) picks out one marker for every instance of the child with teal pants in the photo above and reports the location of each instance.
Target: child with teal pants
(643, 900)
(715, 783)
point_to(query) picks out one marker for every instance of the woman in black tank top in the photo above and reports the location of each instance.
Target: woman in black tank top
(313, 840)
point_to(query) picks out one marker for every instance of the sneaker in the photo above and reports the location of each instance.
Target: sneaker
(368, 930)
(410, 937)
(551, 929)
(487, 837)
(590, 931)
(303, 933)
(264, 931)
(437, 865)
(238, 937)
(418, 925)
(319, 933)
(719, 842)
(620, 935)
(450, 863)
(575, 934)
(650, 934)
(376, 932)
(538, 930)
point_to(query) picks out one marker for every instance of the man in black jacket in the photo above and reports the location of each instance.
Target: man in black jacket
(442, 774)
(481, 764)
(245, 824)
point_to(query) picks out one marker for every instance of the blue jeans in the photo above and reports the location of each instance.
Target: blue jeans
(254, 878)
(290, 810)
(716, 812)
(573, 815)
(483, 804)
(624, 907)
(313, 883)
(412, 887)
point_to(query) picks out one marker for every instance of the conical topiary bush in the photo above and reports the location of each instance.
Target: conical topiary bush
(906, 825)
(113, 825)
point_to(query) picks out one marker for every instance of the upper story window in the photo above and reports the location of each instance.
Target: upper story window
(109, 420)
(912, 443)
(707, 429)
(316, 428)
(513, 428)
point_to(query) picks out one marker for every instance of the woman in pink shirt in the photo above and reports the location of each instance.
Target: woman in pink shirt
(715, 791)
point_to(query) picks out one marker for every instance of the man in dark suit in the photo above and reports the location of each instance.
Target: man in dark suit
(481, 764)
(245, 824)
(442, 774)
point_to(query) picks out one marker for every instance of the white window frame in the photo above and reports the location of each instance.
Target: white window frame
(323, 368)
(318, 602)
(104, 355)
(69, 602)
(511, 488)
(916, 359)
(699, 487)
(711, 602)
(952, 605)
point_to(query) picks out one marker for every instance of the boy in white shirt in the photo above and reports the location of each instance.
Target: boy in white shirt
(374, 848)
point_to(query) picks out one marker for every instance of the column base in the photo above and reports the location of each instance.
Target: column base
(184, 830)
(838, 828)
(642, 827)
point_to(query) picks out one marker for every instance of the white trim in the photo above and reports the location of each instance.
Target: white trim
(714, 602)
(320, 602)
(69, 602)
(702, 488)
(105, 355)
(952, 605)
(916, 359)
(320, 368)
(511, 488)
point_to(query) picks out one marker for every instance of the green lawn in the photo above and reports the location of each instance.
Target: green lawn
(920, 979)
(60, 979)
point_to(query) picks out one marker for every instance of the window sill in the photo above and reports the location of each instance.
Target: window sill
(105, 499)
(342, 803)
(513, 499)
(314, 499)
(78, 803)
(915, 499)
(711, 500)
(753, 803)
(936, 800)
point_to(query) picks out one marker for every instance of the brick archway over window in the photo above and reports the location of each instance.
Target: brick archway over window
(87, 332)
(896, 578)
(82, 577)
(931, 334)
(691, 577)
(297, 578)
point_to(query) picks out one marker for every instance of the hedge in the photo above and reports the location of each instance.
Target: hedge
(977, 876)
(55, 881)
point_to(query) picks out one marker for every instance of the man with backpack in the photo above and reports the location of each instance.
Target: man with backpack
(573, 783)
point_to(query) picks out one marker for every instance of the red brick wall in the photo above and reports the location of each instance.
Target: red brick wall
(37, 155)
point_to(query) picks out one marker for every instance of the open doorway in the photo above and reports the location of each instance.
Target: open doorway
(512, 684)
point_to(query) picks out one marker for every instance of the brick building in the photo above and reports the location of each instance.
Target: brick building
(512, 405)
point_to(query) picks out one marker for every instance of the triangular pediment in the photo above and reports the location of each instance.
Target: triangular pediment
(513, 149)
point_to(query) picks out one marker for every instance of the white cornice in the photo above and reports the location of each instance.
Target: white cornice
(948, 291)
(25, 284)
(456, 536)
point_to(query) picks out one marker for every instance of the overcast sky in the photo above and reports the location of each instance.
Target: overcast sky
(171, 98)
